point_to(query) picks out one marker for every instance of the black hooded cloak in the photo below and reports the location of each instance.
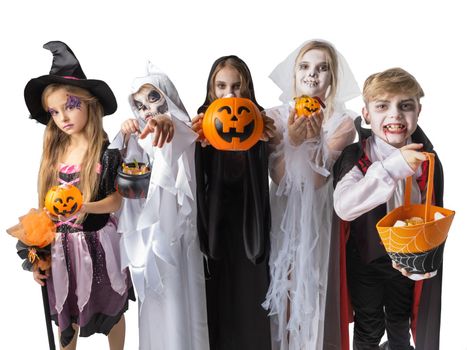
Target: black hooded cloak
(233, 225)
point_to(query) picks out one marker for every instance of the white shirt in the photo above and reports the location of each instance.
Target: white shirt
(356, 194)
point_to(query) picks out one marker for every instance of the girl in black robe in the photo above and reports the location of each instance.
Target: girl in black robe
(233, 223)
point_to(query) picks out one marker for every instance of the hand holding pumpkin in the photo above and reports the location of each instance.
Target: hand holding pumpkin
(313, 125)
(130, 126)
(162, 127)
(197, 127)
(269, 130)
(297, 128)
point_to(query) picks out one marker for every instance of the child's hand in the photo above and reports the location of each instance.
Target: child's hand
(413, 157)
(163, 129)
(313, 125)
(39, 275)
(269, 130)
(197, 127)
(407, 274)
(297, 128)
(130, 126)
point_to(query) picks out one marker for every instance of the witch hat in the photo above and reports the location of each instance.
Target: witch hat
(65, 70)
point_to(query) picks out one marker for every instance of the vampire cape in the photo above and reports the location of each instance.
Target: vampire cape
(426, 308)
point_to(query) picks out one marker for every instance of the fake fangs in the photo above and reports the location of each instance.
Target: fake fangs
(394, 127)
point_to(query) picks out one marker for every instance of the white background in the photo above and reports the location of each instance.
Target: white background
(113, 42)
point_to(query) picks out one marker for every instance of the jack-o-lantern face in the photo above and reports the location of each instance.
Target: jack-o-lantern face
(306, 106)
(233, 124)
(63, 200)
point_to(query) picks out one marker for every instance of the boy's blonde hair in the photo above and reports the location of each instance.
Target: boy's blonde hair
(391, 82)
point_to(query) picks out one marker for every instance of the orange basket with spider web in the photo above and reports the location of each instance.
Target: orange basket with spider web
(418, 248)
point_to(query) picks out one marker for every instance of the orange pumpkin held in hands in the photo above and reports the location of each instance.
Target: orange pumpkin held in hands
(233, 124)
(306, 106)
(63, 200)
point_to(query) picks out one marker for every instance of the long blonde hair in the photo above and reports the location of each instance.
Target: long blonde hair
(331, 60)
(56, 142)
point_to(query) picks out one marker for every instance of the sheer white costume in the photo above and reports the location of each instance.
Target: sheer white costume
(159, 243)
(302, 209)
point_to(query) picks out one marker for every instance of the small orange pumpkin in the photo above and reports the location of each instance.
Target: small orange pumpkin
(233, 124)
(64, 200)
(306, 106)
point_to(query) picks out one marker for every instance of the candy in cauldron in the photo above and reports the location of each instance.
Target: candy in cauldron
(133, 180)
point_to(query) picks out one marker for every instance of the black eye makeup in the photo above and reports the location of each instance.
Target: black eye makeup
(138, 105)
(154, 96)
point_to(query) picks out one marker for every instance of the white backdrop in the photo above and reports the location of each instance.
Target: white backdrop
(113, 42)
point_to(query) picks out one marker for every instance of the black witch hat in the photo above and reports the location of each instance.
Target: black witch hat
(65, 70)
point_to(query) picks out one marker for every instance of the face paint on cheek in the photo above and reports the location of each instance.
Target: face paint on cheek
(73, 102)
(163, 108)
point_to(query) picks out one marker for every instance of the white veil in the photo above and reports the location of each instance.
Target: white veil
(347, 87)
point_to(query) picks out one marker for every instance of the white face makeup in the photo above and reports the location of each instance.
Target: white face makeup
(393, 118)
(149, 101)
(67, 111)
(227, 83)
(312, 74)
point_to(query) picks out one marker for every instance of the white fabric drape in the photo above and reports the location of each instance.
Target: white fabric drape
(301, 206)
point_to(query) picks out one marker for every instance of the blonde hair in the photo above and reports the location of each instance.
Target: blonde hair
(391, 82)
(56, 143)
(331, 60)
(240, 67)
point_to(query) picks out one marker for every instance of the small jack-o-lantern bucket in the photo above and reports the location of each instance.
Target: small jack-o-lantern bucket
(233, 124)
(306, 106)
(133, 180)
(64, 200)
(419, 247)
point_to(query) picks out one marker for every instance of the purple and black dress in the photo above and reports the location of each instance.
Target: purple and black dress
(87, 286)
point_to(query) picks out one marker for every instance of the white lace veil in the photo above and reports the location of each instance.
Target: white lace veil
(347, 87)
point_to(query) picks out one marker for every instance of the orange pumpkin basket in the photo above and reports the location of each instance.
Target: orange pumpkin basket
(233, 124)
(418, 248)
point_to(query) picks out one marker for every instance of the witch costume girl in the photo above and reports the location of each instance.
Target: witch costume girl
(86, 284)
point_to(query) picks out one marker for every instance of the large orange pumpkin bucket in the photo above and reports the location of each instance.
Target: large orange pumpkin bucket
(418, 248)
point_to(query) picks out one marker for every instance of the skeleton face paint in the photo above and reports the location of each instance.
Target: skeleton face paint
(312, 74)
(149, 101)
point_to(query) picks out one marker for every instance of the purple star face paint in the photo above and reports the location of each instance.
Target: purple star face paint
(73, 102)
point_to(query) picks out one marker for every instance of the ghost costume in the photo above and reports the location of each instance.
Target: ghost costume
(159, 243)
(302, 212)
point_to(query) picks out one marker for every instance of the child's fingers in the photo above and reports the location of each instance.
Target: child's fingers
(157, 135)
(420, 156)
(299, 123)
(170, 134)
(412, 146)
(291, 119)
(149, 128)
(198, 119)
(134, 126)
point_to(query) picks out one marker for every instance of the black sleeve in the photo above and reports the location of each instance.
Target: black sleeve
(111, 160)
